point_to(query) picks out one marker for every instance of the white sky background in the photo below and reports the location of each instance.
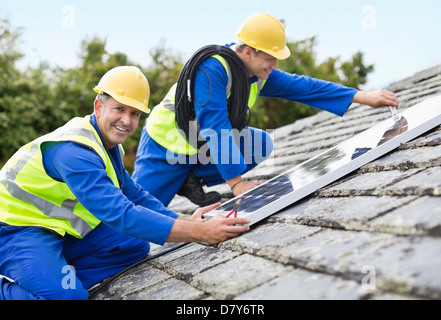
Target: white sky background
(399, 37)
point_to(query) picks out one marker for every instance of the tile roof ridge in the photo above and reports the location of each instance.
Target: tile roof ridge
(417, 77)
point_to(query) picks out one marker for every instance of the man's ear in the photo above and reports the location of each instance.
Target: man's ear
(248, 51)
(245, 54)
(97, 105)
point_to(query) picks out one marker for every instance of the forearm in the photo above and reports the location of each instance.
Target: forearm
(239, 186)
(361, 97)
(184, 230)
(233, 182)
(376, 99)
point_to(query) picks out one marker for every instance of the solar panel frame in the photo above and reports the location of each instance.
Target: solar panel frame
(334, 163)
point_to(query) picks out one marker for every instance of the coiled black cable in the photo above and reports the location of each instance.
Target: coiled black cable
(238, 111)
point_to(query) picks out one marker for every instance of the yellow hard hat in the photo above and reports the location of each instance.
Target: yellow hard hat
(127, 85)
(264, 32)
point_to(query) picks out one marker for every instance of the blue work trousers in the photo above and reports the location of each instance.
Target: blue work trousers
(45, 266)
(162, 172)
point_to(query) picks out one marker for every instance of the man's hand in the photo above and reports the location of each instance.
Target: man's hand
(219, 229)
(197, 215)
(376, 99)
(212, 231)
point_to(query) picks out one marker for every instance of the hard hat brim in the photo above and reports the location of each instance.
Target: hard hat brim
(125, 100)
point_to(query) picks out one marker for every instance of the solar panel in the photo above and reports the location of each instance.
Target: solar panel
(325, 168)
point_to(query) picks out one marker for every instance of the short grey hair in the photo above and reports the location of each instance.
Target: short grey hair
(240, 46)
(102, 97)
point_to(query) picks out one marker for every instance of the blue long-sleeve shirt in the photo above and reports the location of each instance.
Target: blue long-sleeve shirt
(129, 210)
(211, 107)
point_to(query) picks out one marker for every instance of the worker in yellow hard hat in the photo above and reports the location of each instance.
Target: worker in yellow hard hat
(198, 135)
(71, 216)
(264, 33)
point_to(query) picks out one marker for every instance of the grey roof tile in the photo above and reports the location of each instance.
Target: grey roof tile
(227, 280)
(139, 279)
(268, 238)
(187, 266)
(420, 217)
(410, 266)
(170, 289)
(350, 213)
(305, 285)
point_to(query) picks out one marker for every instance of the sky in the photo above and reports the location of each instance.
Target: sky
(399, 38)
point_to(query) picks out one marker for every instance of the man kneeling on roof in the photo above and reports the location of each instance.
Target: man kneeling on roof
(68, 206)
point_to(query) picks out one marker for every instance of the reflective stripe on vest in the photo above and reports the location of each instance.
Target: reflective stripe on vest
(30, 197)
(161, 124)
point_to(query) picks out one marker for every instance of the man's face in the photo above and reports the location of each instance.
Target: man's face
(260, 64)
(117, 122)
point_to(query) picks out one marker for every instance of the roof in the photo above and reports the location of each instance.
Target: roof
(373, 234)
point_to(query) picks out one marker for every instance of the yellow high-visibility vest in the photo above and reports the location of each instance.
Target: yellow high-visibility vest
(30, 197)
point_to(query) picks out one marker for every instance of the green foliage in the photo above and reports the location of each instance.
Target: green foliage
(73, 88)
(26, 103)
(36, 101)
(355, 72)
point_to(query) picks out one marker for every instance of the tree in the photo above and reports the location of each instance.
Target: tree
(27, 108)
(355, 72)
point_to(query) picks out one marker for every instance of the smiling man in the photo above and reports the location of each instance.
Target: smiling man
(70, 215)
(174, 163)
(117, 121)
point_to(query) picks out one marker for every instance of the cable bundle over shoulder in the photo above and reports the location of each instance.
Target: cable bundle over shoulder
(238, 110)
